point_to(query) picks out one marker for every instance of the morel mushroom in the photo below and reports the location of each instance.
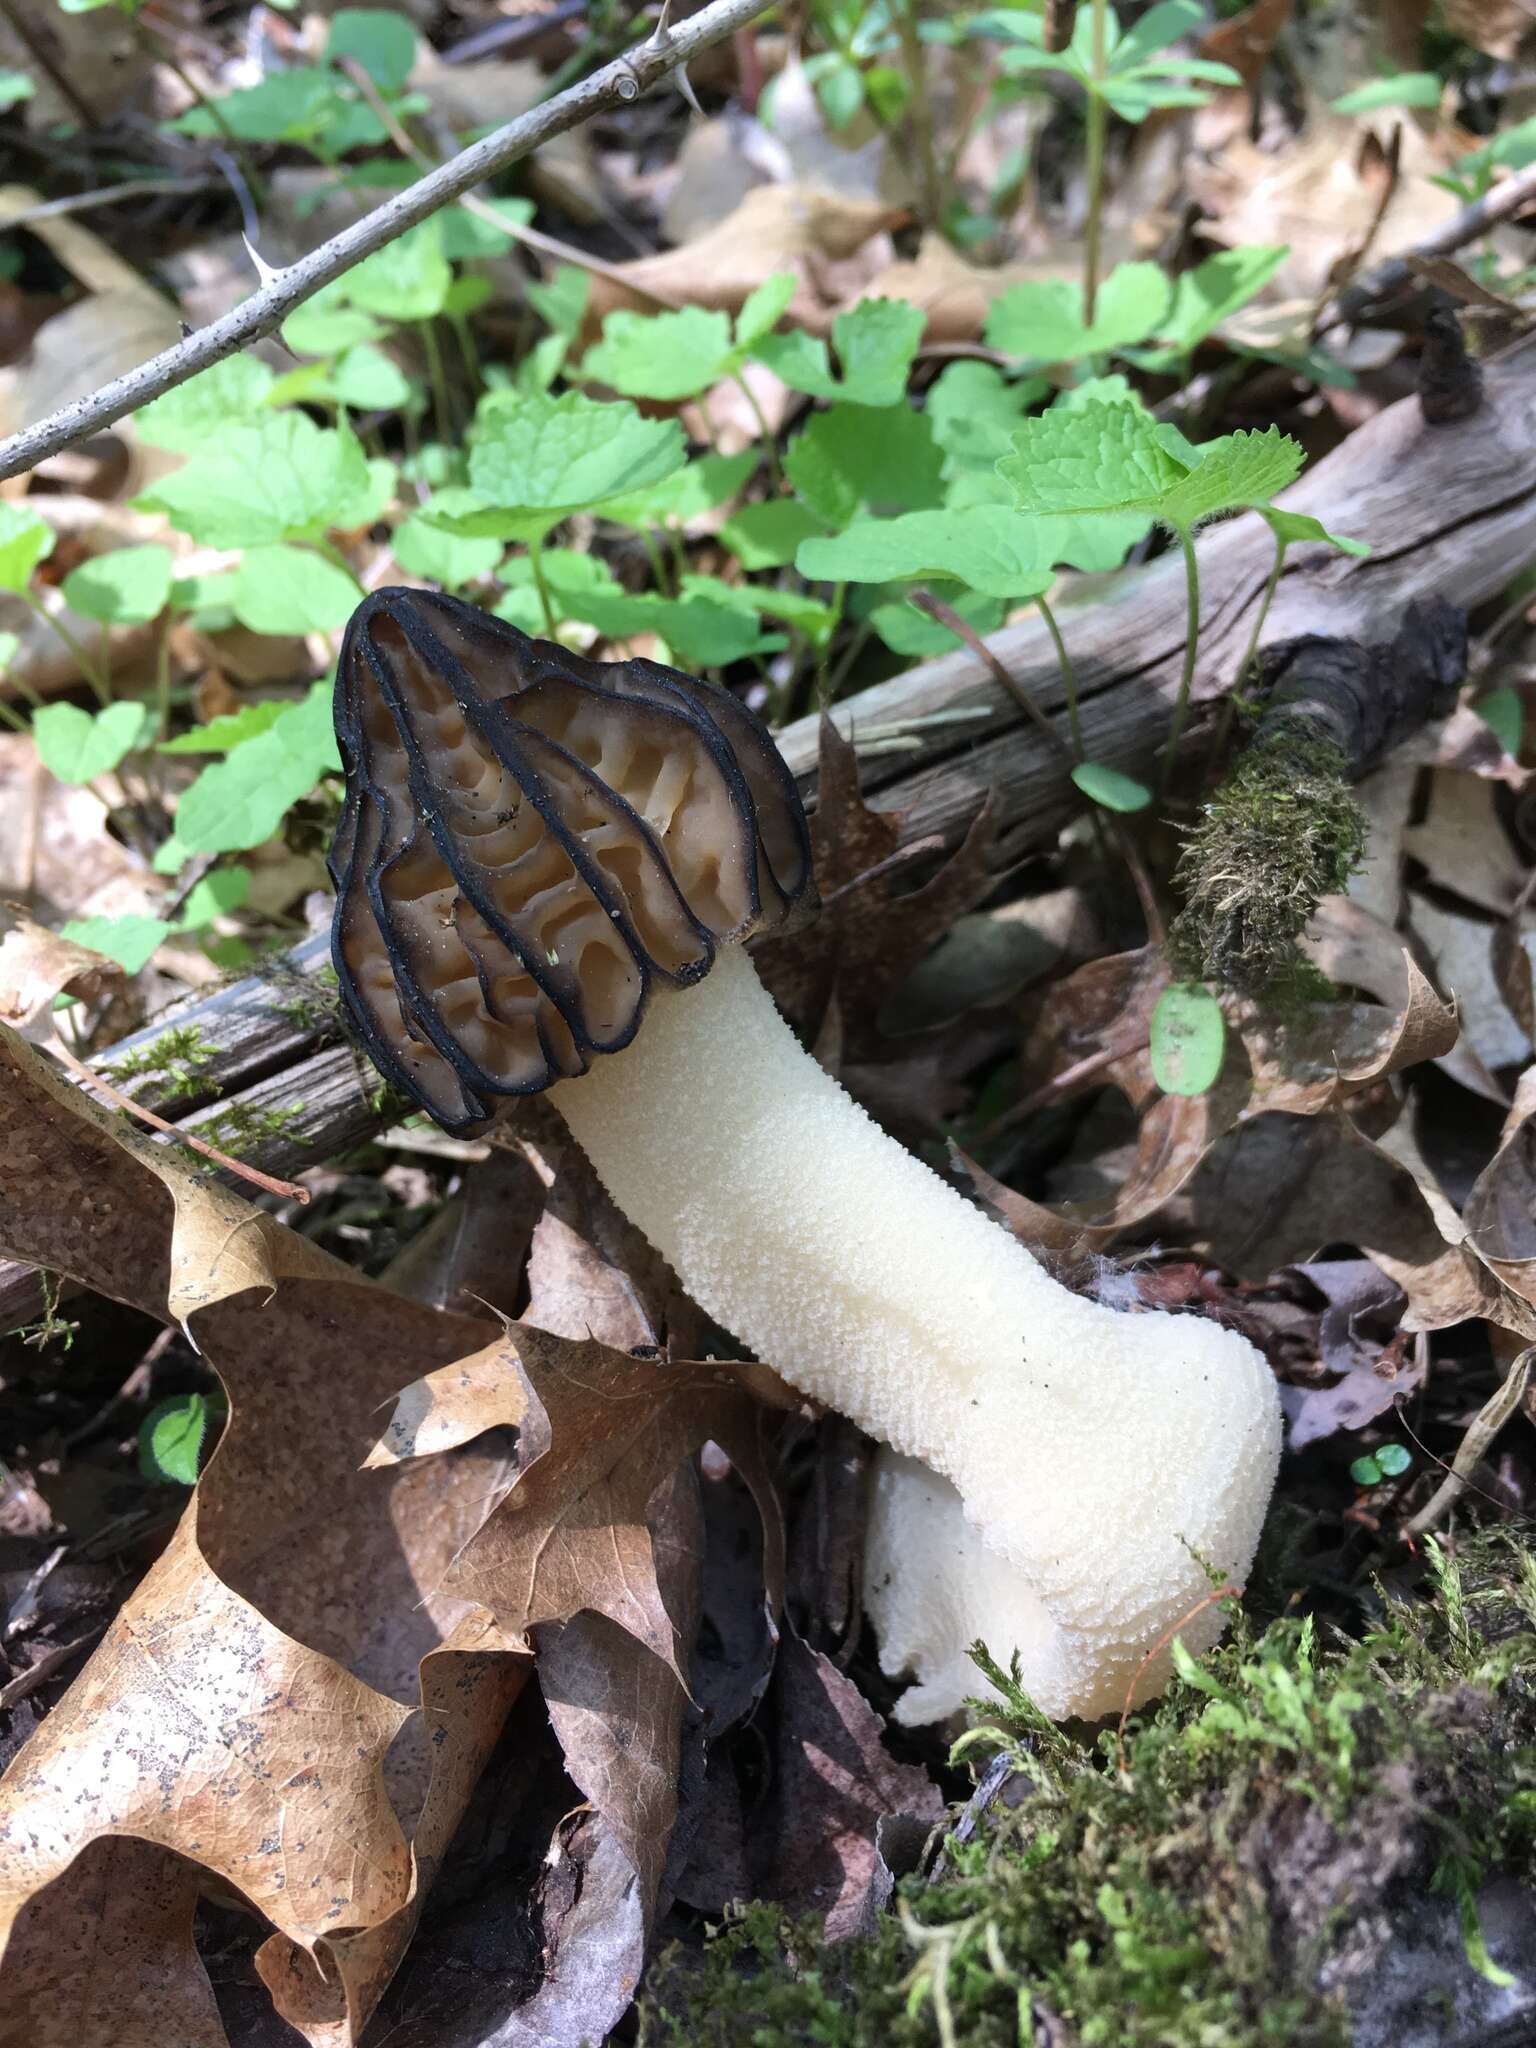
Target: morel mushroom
(533, 845)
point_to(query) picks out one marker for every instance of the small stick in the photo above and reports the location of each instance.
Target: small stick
(1481, 1431)
(946, 615)
(1226, 1592)
(290, 1190)
(1498, 205)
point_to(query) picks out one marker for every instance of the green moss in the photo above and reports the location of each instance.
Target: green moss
(1193, 1890)
(178, 1059)
(238, 1129)
(1283, 831)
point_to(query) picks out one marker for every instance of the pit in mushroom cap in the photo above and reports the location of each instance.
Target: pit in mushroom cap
(1081, 1468)
(531, 841)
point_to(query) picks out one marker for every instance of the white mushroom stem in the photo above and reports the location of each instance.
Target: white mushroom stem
(1103, 1460)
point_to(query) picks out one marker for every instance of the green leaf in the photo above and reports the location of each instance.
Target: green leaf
(852, 455)
(130, 941)
(126, 588)
(875, 342)
(840, 90)
(242, 800)
(292, 590)
(285, 106)
(1291, 527)
(1402, 89)
(15, 86)
(700, 629)
(914, 634)
(206, 404)
(1236, 471)
(687, 494)
(1394, 1459)
(1158, 27)
(1102, 458)
(450, 559)
(1216, 289)
(25, 540)
(216, 895)
(1189, 1039)
(408, 279)
(766, 536)
(382, 42)
(765, 307)
(534, 453)
(273, 478)
(990, 548)
(369, 381)
(561, 301)
(1110, 789)
(467, 235)
(76, 745)
(973, 410)
(327, 323)
(663, 356)
(1504, 711)
(171, 1438)
(232, 730)
(1044, 322)
(1365, 1471)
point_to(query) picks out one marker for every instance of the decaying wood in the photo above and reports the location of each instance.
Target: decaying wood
(1449, 511)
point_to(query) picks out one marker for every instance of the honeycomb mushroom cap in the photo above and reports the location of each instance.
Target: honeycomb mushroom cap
(531, 842)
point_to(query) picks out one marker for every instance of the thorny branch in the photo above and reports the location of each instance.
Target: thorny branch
(264, 312)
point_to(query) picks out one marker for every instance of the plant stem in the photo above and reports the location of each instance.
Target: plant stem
(654, 557)
(1098, 124)
(921, 111)
(536, 565)
(1245, 666)
(60, 631)
(1191, 649)
(441, 410)
(770, 445)
(1068, 677)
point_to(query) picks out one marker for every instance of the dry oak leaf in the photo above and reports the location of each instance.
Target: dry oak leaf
(240, 1709)
(869, 935)
(801, 228)
(1093, 1028)
(36, 965)
(571, 1535)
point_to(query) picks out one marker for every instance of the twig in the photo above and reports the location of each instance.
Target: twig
(107, 195)
(501, 38)
(946, 615)
(530, 238)
(1481, 1431)
(263, 313)
(288, 1189)
(1495, 206)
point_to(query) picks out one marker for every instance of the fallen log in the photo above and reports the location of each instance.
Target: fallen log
(1448, 511)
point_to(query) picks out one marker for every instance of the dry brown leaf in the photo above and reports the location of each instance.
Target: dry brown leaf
(36, 965)
(1359, 1342)
(286, 1620)
(1501, 1209)
(869, 935)
(1093, 1028)
(1463, 843)
(572, 1534)
(1499, 27)
(106, 1954)
(1247, 40)
(817, 234)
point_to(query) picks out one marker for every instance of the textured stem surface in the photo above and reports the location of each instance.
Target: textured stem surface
(1095, 1450)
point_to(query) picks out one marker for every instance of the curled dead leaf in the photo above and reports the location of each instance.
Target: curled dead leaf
(36, 965)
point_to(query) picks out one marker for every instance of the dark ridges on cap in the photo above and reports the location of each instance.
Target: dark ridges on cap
(530, 840)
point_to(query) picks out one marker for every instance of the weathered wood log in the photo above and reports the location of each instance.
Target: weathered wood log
(1449, 511)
